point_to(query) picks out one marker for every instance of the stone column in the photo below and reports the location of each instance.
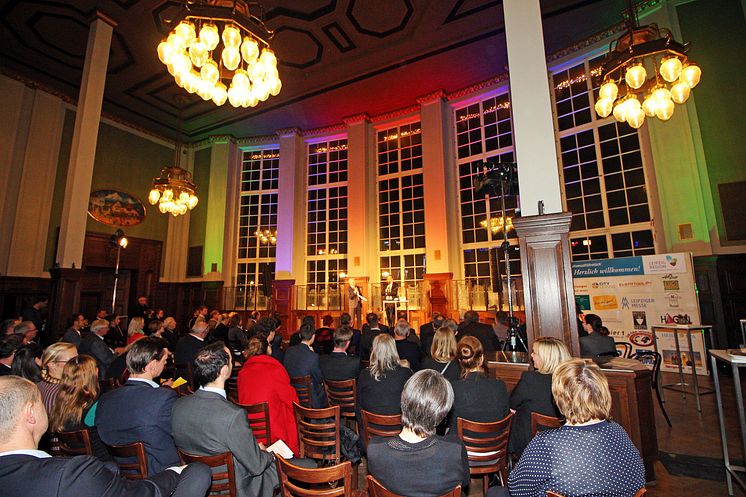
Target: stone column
(223, 152)
(83, 150)
(291, 202)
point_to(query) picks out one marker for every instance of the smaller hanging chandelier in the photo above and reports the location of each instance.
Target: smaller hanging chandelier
(266, 237)
(627, 92)
(220, 51)
(497, 224)
(174, 191)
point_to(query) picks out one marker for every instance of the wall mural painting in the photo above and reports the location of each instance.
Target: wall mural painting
(116, 208)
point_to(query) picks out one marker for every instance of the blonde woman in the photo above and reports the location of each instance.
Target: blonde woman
(443, 354)
(533, 393)
(380, 385)
(52, 362)
(589, 455)
(135, 330)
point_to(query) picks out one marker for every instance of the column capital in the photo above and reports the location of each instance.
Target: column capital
(99, 15)
(542, 225)
(288, 132)
(437, 95)
(356, 118)
(220, 139)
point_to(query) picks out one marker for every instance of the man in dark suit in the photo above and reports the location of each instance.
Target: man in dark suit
(8, 346)
(406, 349)
(371, 329)
(26, 471)
(301, 360)
(116, 337)
(346, 320)
(188, 346)
(427, 332)
(338, 365)
(34, 314)
(139, 410)
(93, 345)
(390, 298)
(482, 332)
(206, 423)
(355, 301)
(73, 334)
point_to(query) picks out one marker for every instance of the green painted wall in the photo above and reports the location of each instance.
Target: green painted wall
(717, 31)
(198, 217)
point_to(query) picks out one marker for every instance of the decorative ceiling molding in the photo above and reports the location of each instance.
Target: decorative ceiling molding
(431, 97)
(356, 118)
(412, 109)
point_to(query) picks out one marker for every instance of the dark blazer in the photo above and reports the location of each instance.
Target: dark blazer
(366, 339)
(339, 366)
(170, 337)
(452, 372)
(72, 336)
(409, 351)
(187, 348)
(382, 397)
(595, 344)
(478, 398)
(137, 412)
(94, 346)
(427, 332)
(533, 393)
(205, 423)
(483, 332)
(4, 370)
(116, 337)
(80, 476)
(219, 333)
(300, 360)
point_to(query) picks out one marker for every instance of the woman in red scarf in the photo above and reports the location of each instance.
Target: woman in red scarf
(264, 379)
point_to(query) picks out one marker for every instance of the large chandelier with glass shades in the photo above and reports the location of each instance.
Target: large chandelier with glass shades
(219, 50)
(644, 74)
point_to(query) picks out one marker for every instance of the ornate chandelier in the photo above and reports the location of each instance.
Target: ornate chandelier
(627, 92)
(497, 224)
(242, 69)
(266, 237)
(174, 191)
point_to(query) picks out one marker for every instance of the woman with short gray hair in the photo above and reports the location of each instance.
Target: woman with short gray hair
(440, 462)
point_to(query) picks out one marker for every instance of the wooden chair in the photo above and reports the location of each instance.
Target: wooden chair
(624, 349)
(375, 489)
(303, 386)
(231, 388)
(223, 474)
(258, 415)
(381, 425)
(486, 447)
(540, 422)
(653, 359)
(74, 443)
(325, 481)
(639, 493)
(343, 394)
(132, 471)
(318, 433)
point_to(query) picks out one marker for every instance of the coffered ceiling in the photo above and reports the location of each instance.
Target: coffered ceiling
(337, 57)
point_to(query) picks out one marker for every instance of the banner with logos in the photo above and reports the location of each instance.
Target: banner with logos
(632, 294)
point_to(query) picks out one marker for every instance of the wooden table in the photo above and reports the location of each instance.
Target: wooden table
(631, 399)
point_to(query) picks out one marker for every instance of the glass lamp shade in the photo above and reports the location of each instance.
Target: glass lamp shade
(649, 105)
(231, 37)
(670, 69)
(231, 58)
(192, 202)
(204, 89)
(276, 86)
(209, 36)
(165, 52)
(210, 72)
(234, 96)
(198, 53)
(691, 74)
(154, 196)
(181, 63)
(680, 92)
(219, 94)
(609, 90)
(186, 31)
(163, 207)
(620, 111)
(177, 41)
(635, 117)
(635, 76)
(241, 79)
(661, 93)
(268, 59)
(604, 106)
(249, 50)
(664, 109)
(167, 196)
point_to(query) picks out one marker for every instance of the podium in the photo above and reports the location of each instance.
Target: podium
(392, 306)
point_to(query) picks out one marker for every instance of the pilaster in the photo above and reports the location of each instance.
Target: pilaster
(223, 153)
(291, 202)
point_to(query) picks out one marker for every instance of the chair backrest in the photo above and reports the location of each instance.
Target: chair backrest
(624, 349)
(639, 493)
(132, 471)
(486, 444)
(258, 415)
(650, 358)
(303, 386)
(318, 433)
(375, 489)
(185, 368)
(343, 394)
(540, 422)
(74, 443)
(316, 477)
(381, 425)
(231, 388)
(223, 474)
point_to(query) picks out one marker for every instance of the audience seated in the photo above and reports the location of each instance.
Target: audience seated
(135, 329)
(477, 397)
(169, 333)
(306, 321)
(8, 346)
(52, 364)
(26, 471)
(73, 334)
(27, 331)
(75, 407)
(346, 320)
(140, 410)
(93, 345)
(442, 355)
(371, 329)
(406, 349)
(338, 365)
(27, 362)
(380, 385)
(237, 338)
(188, 346)
(267, 327)
(116, 338)
(427, 332)
(471, 326)
(597, 342)
(417, 462)
(220, 333)
(533, 393)
(206, 423)
(301, 360)
(589, 455)
(263, 379)
(324, 341)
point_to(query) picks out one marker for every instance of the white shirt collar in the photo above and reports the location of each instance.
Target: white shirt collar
(198, 337)
(218, 391)
(26, 452)
(145, 380)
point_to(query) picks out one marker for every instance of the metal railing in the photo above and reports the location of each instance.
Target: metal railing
(480, 296)
(245, 298)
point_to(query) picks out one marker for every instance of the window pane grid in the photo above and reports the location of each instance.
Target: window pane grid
(260, 170)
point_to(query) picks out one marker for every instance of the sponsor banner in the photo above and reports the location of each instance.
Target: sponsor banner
(633, 294)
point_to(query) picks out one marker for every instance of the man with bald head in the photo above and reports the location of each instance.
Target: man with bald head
(25, 471)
